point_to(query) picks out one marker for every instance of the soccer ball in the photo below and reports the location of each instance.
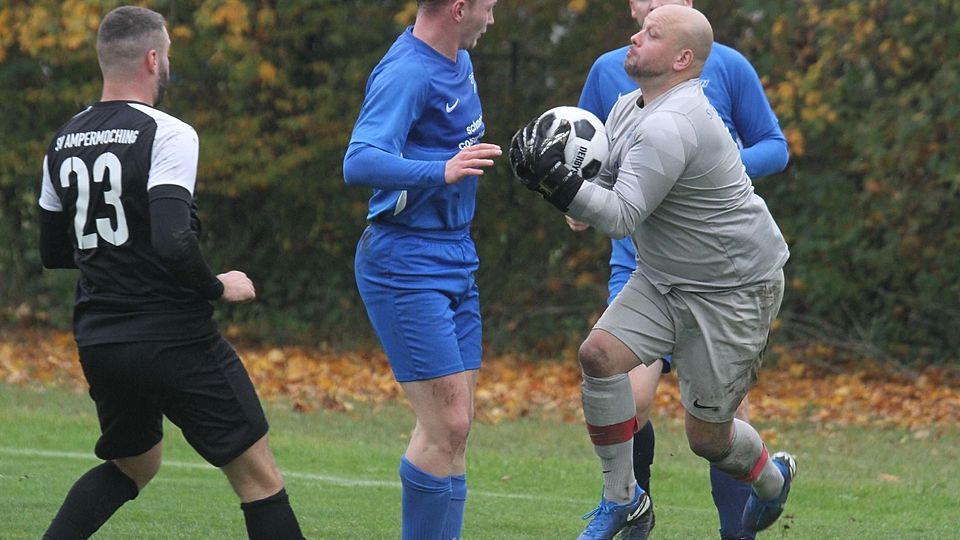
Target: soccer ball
(587, 147)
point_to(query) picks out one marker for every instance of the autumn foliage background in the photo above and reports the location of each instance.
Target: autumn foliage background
(865, 91)
(513, 387)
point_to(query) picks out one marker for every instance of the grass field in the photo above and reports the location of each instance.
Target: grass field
(528, 479)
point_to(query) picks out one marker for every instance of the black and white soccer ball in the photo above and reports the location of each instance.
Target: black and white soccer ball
(587, 147)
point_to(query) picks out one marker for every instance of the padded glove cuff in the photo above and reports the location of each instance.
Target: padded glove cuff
(560, 186)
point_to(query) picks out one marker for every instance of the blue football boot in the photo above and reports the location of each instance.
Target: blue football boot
(758, 515)
(609, 517)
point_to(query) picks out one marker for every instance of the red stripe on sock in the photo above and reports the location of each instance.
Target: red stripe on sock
(757, 468)
(613, 434)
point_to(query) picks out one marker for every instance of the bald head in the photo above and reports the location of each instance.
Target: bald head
(672, 47)
(688, 28)
(126, 34)
(654, 4)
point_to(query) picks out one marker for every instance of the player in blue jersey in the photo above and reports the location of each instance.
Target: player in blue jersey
(117, 203)
(732, 86)
(417, 144)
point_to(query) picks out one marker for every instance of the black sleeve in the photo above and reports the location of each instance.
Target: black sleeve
(56, 251)
(173, 234)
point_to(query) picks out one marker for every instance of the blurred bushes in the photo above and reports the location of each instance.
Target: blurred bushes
(865, 91)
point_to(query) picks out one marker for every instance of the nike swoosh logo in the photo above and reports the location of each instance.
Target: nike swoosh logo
(450, 107)
(696, 403)
(641, 508)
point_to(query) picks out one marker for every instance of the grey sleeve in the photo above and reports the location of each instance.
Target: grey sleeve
(651, 166)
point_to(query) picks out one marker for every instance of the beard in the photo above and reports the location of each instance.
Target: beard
(162, 81)
(637, 71)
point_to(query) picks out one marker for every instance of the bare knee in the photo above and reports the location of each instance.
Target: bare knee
(254, 474)
(457, 427)
(708, 440)
(444, 409)
(708, 449)
(593, 357)
(141, 469)
(603, 355)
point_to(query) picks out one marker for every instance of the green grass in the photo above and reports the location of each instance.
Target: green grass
(528, 479)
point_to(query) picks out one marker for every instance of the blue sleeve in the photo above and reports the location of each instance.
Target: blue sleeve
(590, 95)
(366, 165)
(764, 149)
(769, 156)
(395, 99)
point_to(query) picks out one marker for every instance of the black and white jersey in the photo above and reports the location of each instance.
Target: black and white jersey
(97, 172)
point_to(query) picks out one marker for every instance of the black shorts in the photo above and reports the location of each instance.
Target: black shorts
(201, 386)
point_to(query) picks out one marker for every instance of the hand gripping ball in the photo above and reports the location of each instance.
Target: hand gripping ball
(587, 147)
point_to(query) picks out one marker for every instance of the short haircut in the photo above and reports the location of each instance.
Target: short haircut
(429, 5)
(126, 34)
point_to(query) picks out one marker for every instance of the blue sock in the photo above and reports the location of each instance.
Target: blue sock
(453, 526)
(730, 495)
(425, 501)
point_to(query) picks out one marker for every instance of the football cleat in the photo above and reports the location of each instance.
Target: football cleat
(757, 514)
(609, 517)
(640, 529)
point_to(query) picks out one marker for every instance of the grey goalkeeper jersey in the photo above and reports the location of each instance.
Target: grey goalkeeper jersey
(675, 183)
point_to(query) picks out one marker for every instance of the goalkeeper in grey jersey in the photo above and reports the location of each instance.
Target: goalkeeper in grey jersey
(709, 277)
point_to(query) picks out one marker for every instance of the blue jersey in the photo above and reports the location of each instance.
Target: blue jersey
(420, 110)
(733, 88)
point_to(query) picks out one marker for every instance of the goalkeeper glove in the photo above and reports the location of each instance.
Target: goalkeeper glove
(537, 161)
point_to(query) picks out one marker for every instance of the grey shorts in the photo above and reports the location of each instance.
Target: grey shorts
(717, 339)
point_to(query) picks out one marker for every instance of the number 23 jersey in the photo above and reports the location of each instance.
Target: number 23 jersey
(97, 171)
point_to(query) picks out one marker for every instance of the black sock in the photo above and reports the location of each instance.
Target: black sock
(271, 518)
(91, 501)
(643, 442)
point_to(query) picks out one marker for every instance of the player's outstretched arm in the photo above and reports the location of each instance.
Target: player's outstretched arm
(237, 287)
(470, 162)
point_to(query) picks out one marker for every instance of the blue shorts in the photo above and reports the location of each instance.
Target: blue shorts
(421, 296)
